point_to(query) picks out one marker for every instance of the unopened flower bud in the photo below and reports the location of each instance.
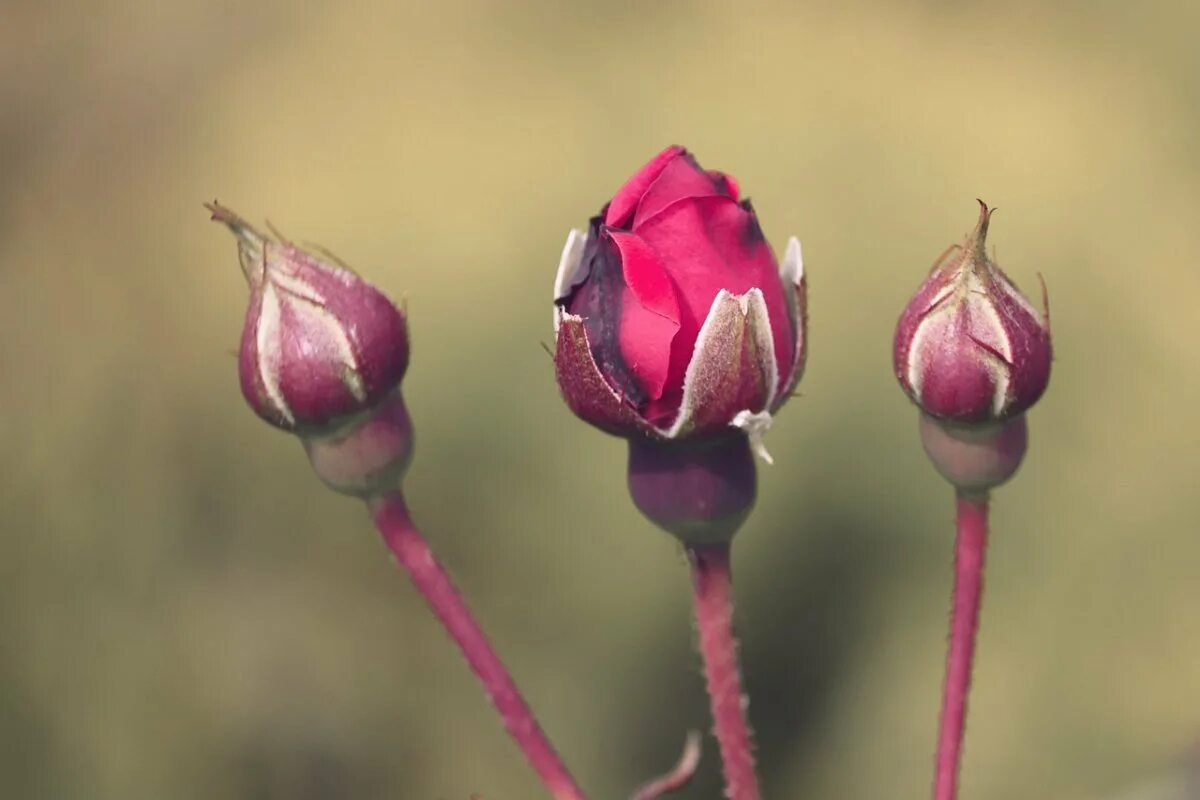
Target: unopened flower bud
(700, 491)
(322, 356)
(969, 346)
(673, 319)
(320, 345)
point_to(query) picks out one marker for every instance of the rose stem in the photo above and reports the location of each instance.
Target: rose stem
(432, 581)
(969, 546)
(712, 585)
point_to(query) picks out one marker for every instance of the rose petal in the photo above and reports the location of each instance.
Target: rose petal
(680, 179)
(630, 327)
(649, 313)
(731, 184)
(708, 244)
(625, 201)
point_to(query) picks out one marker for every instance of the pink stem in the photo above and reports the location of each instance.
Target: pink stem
(969, 547)
(430, 578)
(712, 585)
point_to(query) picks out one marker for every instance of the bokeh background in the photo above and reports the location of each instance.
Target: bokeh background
(185, 613)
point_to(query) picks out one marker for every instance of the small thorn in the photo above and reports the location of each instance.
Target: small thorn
(546, 347)
(679, 776)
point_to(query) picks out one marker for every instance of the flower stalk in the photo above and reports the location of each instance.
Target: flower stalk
(712, 593)
(322, 357)
(430, 578)
(974, 355)
(970, 547)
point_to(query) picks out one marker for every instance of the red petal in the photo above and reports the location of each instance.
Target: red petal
(731, 184)
(649, 313)
(625, 201)
(707, 244)
(681, 178)
(644, 274)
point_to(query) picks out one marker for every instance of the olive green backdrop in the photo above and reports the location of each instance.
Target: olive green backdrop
(185, 613)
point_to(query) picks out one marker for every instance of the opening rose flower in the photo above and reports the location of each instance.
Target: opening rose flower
(673, 318)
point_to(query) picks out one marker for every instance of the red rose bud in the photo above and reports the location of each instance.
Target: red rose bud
(322, 355)
(673, 319)
(319, 344)
(969, 346)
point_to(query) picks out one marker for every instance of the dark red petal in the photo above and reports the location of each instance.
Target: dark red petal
(731, 184)
(649, 314)
(630, 336)
(624, 203)
(681, 178)
(645, 275)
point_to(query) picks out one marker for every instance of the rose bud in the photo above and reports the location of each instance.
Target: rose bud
(675, 326)
(969, 346)
(673, 318)
(322, 355)
(974, 354)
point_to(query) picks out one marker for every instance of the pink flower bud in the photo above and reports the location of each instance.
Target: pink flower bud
(969, 346)
(673, 318)
(320, 345)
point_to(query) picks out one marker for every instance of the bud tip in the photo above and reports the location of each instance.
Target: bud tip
(978, 238)
(251, 241)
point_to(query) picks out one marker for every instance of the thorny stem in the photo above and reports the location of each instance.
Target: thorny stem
(969, 547)
(712, 585)
(430, 577)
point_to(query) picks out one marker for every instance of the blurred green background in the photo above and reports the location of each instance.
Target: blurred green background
(185, 613)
